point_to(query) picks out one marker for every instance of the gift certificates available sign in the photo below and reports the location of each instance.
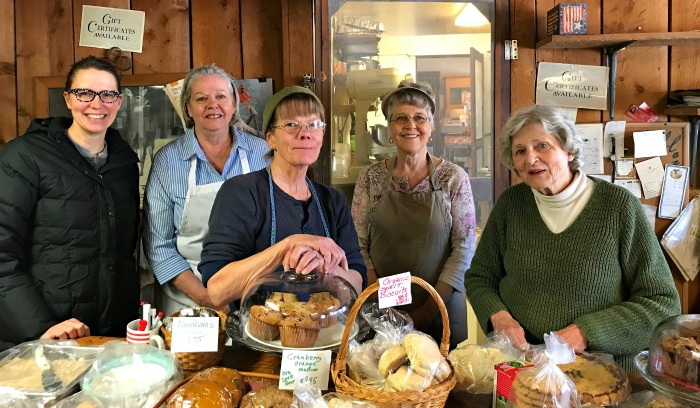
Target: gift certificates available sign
(572, 86)
(104, 27)
(395, 290)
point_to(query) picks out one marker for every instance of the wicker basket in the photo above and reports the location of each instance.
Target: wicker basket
(249, 378)
(195, 361)
(432, 397)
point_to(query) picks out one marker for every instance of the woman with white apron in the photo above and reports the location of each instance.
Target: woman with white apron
(278, 217)
(184, 180)
(415, 213)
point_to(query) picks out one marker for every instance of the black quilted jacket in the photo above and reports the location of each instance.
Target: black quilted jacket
(67, 235)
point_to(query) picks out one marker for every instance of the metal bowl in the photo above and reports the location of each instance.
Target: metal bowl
(380, 135)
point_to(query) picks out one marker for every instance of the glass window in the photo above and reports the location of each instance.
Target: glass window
(375, 45)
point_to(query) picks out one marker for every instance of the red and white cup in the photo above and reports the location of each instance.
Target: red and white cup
(136, 336)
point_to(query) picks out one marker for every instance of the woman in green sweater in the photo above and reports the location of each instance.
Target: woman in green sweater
(567, 253)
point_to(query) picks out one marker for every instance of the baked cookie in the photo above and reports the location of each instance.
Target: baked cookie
(596, 381)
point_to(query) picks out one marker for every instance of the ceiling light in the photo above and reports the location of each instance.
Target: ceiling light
(470, 17)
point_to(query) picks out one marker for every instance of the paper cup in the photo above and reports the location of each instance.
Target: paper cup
(136, 336)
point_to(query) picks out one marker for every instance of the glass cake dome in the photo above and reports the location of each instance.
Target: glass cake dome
(287, 310)
(672, 364)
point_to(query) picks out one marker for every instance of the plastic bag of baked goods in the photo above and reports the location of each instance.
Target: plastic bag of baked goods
(473, 364)
(11, 397)
(598, 380)
(268, 396)
(651, 399)
(545, 385)
(131, 375)
(81, 400)
(414, 364)
(215, 386)
(391, 326)
(335, 400)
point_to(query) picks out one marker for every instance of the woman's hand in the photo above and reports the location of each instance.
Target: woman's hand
(503, 322)
(300, 244)
(305, 260)
(68, 329)
(573, 335)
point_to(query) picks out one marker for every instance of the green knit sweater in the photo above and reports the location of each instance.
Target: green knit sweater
(605, 272)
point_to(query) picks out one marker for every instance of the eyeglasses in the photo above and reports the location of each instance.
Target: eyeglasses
(87, 95)
(293, 128)
(403, 119)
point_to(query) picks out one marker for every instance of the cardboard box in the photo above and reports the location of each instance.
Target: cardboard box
(505, 375)
(567, 18)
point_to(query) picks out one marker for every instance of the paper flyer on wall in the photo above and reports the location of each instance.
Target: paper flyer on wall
(682, 240)
(173, 90)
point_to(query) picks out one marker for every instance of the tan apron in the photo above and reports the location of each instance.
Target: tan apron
(411, 232)
(194, 225)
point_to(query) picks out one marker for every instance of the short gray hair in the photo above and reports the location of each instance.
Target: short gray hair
(410, 93)
(212, 70)
(553, 122)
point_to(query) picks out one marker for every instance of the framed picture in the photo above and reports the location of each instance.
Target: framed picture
(146, 120)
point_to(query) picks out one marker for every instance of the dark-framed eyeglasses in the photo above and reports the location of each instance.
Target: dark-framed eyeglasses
(293, 128)
(417, 119)
(87, 95)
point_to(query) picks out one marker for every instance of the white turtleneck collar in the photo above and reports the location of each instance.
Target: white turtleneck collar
(559, 211)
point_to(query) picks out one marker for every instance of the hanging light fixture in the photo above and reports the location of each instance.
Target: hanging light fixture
(470, 16)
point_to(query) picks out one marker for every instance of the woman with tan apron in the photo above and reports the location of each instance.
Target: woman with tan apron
(414, 213)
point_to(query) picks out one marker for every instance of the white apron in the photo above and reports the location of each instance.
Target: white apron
(193, 227)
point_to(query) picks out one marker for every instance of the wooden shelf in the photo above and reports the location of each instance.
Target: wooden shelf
(611, 40)
(683, 111)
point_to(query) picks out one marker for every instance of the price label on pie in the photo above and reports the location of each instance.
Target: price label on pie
(395, 290)
(193, 334)
(301, 367)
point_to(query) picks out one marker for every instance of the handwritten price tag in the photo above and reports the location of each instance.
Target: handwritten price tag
(395, 290)
(304, 367)
(195, 334)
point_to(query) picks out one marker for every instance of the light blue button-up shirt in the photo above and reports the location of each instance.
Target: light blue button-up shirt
(166, 190)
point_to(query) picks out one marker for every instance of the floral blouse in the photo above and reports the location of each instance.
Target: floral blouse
(452, 178)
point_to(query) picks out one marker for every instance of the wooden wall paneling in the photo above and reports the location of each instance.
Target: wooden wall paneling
(573, 56)
(501, 90)
(216, 35)
(166, 39)
(8, 78)
(523, 70)
(261, 31)
(82, 52)
(642, 72)
(322, 167)
(684, 74)
(298, 41)
(44, 40)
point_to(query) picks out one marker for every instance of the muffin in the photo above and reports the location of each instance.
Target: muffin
(328, 306)
(279, 299)
(299, 332)
(300, 309)
(264, 323)
(680, 357)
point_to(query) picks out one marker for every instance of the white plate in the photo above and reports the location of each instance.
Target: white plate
(328, 338)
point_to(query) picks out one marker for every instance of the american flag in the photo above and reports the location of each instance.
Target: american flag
(573, 18)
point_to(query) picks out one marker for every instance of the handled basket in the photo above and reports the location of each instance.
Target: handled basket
(435, 396)
(195, 361)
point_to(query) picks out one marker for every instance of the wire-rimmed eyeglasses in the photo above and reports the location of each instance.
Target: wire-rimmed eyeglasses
(417, 119)
(293, 128)
(87, 95)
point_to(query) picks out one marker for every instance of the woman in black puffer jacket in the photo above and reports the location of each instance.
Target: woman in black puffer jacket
(69, 218)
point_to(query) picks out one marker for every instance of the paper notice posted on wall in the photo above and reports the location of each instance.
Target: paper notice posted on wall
(682, 240)
(649, 144)
(173, 90)
(673, 191)
(592, 155)
(651, 174)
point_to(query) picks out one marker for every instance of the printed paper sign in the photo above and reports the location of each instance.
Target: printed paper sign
(649, 144)
(104, 27)
(651, 174)
(304, 367)
(673, 191)
(592, 154)
(573, 86)
(195, 334)
(614, 130)
(395, 290)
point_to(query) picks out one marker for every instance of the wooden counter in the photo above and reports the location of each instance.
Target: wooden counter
(244, 359)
